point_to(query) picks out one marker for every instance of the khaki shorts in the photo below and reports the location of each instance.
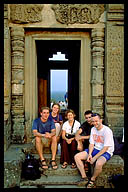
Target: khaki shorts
(45, 141)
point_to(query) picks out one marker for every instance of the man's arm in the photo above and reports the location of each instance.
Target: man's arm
(78, 132)
(36, 133)
(53, 132)
(91, 147)
(49, 135)
(85, 137)
(99, 154)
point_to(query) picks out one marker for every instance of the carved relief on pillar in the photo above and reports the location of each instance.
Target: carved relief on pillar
(17, 108)
(115, 61)
(7, 81)
(114, 98)
(78, 13)
(97, 37)
(26, 13)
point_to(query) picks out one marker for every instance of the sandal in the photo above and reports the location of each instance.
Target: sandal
(91, 184)
(43, 164)
(73, 165)
(54, 166)
(64, 165)
(82, 181)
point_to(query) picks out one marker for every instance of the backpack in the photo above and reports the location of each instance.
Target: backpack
(118, 147)
(117, 180)
(30, 168)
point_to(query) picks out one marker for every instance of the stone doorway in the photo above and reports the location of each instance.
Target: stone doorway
(45, 49)
(81, 74)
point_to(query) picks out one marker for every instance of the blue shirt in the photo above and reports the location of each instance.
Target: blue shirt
(43, 127)
(55, 119)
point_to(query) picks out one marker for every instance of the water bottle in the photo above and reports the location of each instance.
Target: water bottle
(59, 149)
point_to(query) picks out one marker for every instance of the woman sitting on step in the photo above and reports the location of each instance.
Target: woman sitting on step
(57, 118)
(69, 144)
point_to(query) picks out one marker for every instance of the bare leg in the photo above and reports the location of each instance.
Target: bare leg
(39, 147)
(98, 167)
(80, 146)
(79, 157)
(58, 139)
(54, 147)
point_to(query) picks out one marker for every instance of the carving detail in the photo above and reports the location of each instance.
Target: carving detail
(26, 13)
(17, 109)
(78, 13)
(115, 52)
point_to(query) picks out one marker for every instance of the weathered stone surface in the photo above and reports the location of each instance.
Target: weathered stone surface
(17, 108)
(114, 64)
(14, 157)
(17, 89)
(116, 13)
(17, 100)
(26, 13)
(12, 167)
(115, 57)
(97, 80)
(78, 13)
(18, 74)
(7, 81)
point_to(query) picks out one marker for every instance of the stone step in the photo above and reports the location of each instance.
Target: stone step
(61, 172)
(48, 157)
(52, 180)
(52, 186)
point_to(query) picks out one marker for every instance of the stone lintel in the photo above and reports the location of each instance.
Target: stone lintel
(78, 13)
(26, 13)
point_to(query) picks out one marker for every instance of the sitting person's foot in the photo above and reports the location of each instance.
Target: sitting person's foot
(65, 164)
(91, 184)
(53, 164)
(73, 165)
(43, 164)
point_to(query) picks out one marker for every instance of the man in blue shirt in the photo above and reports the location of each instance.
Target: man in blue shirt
(44, 131)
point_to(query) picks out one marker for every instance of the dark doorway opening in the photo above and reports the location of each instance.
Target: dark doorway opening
(45, 50)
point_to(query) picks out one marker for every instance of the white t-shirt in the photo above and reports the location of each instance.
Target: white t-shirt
(101, 138)
(67, 127)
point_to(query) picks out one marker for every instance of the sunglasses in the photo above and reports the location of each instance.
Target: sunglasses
(95, 114)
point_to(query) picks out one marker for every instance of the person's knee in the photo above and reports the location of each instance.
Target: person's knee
(77, 157)
(54, 139)
(99, 164)
(38, 140)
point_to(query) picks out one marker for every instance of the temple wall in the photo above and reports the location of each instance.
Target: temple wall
(7, 81)
(114, 68)
(104, 23)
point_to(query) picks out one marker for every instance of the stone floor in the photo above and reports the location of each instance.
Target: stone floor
(60, 178)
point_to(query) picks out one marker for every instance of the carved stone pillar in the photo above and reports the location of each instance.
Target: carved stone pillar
(97, 37)
(7, 81)
(17, 107)
(114, 64)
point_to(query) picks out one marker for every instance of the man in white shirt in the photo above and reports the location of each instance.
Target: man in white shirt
(100, 150)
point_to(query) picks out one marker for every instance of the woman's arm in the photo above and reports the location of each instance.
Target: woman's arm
(63, 135)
